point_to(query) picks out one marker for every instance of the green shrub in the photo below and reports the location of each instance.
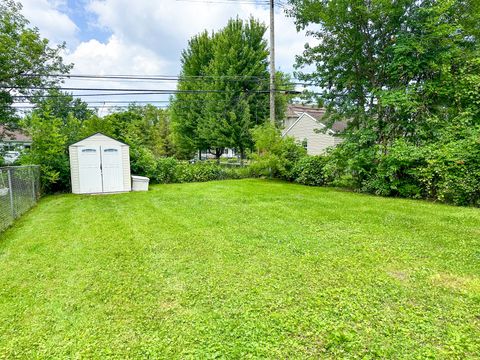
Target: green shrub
(199, 172)
(170, 170)
(452, 171)
(309, 171)
(142, 162)
(166, 171)
(396, 172)
(446, 170)
(275, 155)
(49, 150)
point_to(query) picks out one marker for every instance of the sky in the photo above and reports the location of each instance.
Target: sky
(145, 37)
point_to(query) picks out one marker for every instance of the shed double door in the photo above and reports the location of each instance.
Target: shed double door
(100, 169)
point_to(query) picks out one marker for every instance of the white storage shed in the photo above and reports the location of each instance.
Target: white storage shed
(99, 164)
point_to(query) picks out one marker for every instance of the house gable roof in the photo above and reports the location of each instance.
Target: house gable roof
(13, 135)
(307, 116)
(294, 110)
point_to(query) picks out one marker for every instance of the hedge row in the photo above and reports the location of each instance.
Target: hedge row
(170, 170)
(449, 173)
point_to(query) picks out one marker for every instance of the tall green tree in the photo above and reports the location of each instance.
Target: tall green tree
(405, 75)
(49, 149)
(391, 68)
(188, 107)
(26, 60)
(239, 69)
(228, 74)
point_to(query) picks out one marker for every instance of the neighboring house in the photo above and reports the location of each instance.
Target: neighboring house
(304, 124)
(12, 143)
(227, 154)
(13, 140)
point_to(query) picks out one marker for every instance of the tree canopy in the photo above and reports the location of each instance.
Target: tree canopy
(226, 74)
(405, 75)
(399, 69)
(26, 60)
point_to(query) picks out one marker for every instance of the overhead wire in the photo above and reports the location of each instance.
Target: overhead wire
(163, 78)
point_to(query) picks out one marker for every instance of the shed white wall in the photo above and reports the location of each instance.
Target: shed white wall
(304, 128)
(127, 179)
(74, 169)
(98, 140)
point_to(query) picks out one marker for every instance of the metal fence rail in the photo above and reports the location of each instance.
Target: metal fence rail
(19, 191)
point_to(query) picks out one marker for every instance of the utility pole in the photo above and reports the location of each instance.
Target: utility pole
(272, 62)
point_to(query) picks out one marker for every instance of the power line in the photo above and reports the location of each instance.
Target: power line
(138, 92)
(253, 2)
(163, 78)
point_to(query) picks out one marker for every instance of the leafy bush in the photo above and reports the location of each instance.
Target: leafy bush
(275, 156)
(452, 171)
(165, 171)
(170, 170)
(49, 150)
(309, 171)
(446, 170)
(396, 173)
(142, 162)
(199, 172)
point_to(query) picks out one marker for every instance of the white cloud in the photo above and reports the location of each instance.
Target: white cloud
(52, 23)
(115, 57)
(147, 36)
(166, 26)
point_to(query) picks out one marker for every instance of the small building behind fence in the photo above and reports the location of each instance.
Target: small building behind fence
(19, 191)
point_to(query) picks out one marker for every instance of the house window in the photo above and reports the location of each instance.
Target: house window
(305, 143)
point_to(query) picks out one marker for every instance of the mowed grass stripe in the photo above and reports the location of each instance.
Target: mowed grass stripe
(239, 269)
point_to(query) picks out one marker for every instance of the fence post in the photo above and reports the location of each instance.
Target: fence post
(34, 195)
(12, 207)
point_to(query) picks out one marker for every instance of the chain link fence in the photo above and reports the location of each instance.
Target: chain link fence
(19, 191)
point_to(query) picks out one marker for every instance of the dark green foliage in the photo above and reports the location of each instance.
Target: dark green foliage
(232, 66)
(142, 161)
(447, 171)
(23, 53)
(49, 150)
(170, 170)
(275, 156)
(309, 171)
(166, 171)
(199, 172)
(404, 74)
(188, 109)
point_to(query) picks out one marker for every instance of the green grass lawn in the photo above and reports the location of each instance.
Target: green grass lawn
(240, 269)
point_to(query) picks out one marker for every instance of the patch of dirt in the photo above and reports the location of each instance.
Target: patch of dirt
(399, 275)
(456, 282)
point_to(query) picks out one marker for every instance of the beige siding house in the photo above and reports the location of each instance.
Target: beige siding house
(303, 123)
